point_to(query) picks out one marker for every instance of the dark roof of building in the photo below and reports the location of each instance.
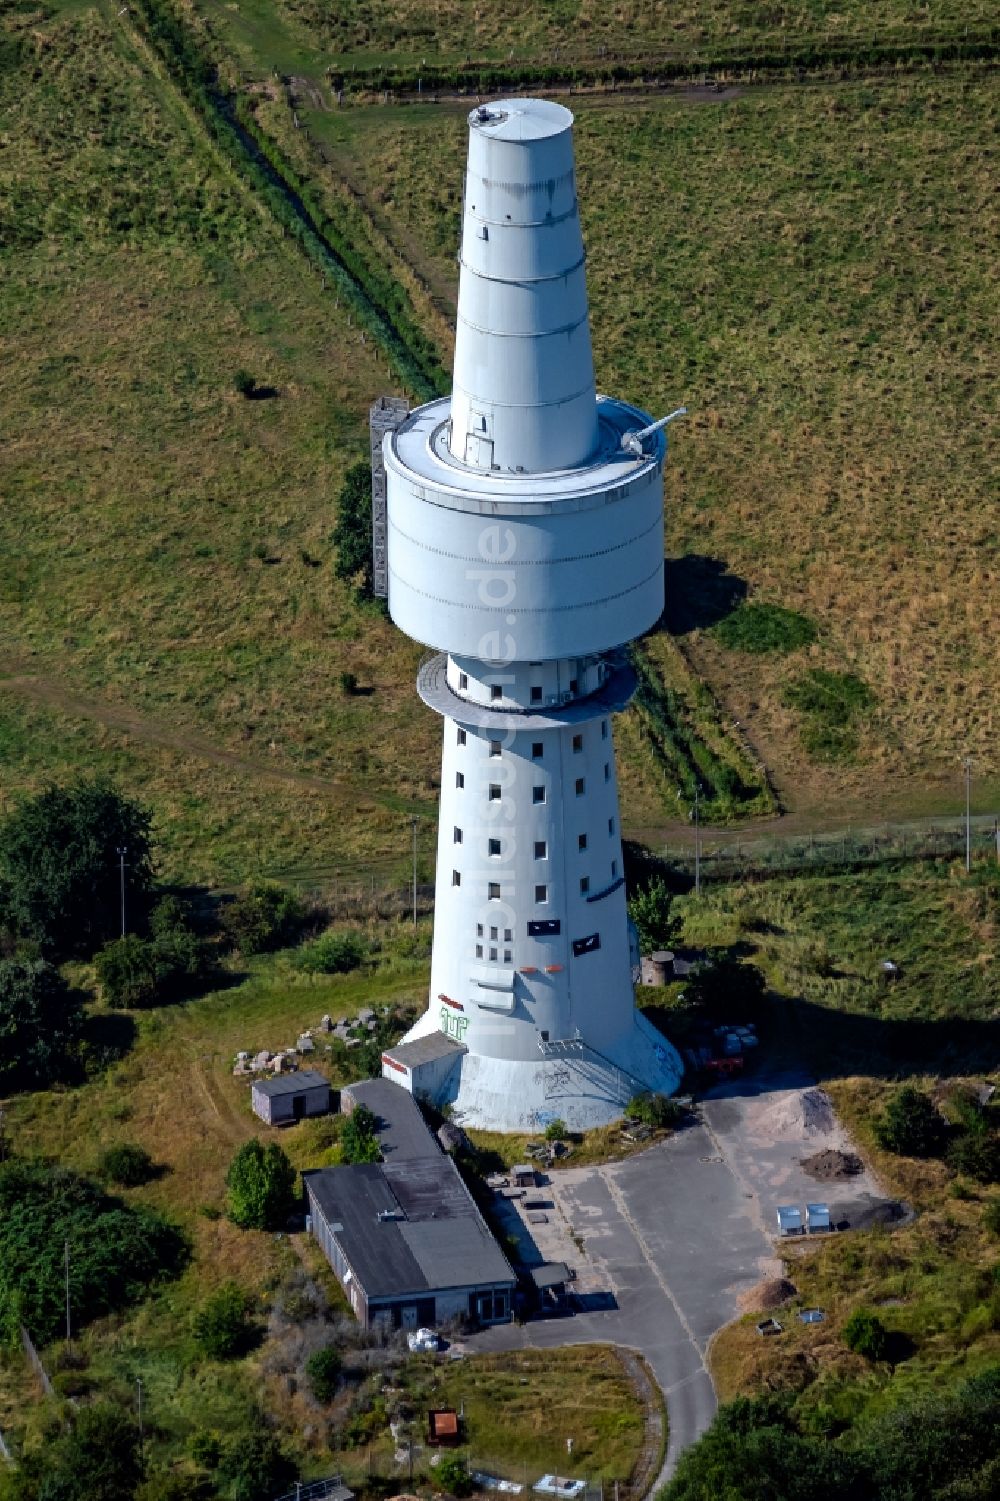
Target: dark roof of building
(308, 1078)
(432, 1236)
(425, 1049)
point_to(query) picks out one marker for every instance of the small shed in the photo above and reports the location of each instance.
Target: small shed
(523, 1176)
(290, 1097)
(442, 1426)
(789, 1219)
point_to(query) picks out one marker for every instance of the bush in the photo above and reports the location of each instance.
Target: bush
(762, 628)
(650, 910)
(352, 535)
(911, 1126)
(260, 1187)
(254, 1467)
(555, 1130)
(331, 954)
(59, 866)
(222, 1326)
(262, 918)
(452, 1475)
(323, 1373)
(244, 384)
(115, 1251)
(726, 990)
(657, 1110)
(40, 1023)
(991, 1216)
(831, 703)
(359, 1138)
(127, 1165)
(348, 684)
(136, 972)
(977, 1155)
(95, 1459)
(866, 1335)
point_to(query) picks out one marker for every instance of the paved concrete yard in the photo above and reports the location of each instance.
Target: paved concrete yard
(672, 1236)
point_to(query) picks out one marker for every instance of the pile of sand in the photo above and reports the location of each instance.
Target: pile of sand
(770, 1293)
(832, 1166)
(805, 1112)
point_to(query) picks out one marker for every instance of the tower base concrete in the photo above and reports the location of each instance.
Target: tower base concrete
(572, 1083)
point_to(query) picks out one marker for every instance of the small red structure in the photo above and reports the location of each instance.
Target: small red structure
(725, 1067)
(442, 1426)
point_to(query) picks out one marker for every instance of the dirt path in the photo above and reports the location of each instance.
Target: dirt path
(647, 1466)
(53, 693)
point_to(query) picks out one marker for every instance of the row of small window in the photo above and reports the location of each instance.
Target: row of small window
(537, 746)
(541, 892)
(537, 793)
(496, 689)
(495, 846)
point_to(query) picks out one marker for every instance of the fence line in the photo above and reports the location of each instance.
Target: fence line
(34, 1361)
(315, 1490)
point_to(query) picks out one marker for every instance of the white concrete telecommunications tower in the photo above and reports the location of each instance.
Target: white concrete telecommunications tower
(525, 545)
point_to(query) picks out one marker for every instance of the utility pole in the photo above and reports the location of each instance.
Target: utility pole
(122, 851)
(413, 821)
(142, 1452)
(967, 764)
(69, 1327)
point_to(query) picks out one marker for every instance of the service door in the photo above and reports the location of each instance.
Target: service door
(410, 1316)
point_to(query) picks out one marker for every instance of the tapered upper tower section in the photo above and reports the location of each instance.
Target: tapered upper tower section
(524, 398)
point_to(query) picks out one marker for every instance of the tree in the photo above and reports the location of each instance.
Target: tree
(657, 1110)
(59, 865)
(262, 918)
(40, 1021)
(136, 972)
(555, 1130)
(866, 1335)
(222, 1325)
(359, 1138)
(261, 1186)
(127, 1165)
(331, 954)
(726, 990)
(452, 1475)
(96, 1460)
(911, 1126)
(254, 1467)
(116, 1251)
(323, 1373)
(650, 910)
(352, 535)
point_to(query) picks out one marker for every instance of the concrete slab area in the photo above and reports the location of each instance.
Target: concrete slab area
(665, 1242)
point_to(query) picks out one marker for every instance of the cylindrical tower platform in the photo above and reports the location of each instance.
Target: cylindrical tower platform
(525, 544)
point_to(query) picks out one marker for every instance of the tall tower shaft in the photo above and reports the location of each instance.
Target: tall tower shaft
(525, 545)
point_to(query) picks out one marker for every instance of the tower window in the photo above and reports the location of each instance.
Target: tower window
(493, 954)
(463, 680)
(581, 841)
(508, 934)
(479, 930)
(494, 847)
(536, 750)
(604, 729)
(506, 956)
(459, 779)
(572, 685)
(607, 771)
(496, 691)
(541, 893)
(536, 694)
(494, 747)
(456, 878)
(494, 896)
(581, 786)
(479, 951)
(611, 826)
(458, 836)
(538, 794)
(461, 737)
(494, 792)
(584, 885)
(494, 934)
(541, 850)
(614, 870)
(577, 744)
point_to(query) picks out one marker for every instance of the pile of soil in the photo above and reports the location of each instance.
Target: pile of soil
(800, 1112)
(832, 1166)
(770, 1293)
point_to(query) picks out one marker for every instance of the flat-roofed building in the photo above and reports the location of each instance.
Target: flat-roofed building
(404, 1236)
